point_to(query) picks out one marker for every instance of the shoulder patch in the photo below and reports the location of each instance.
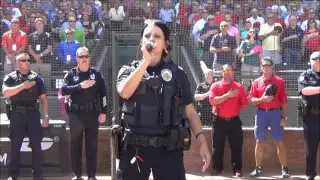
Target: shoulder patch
(301, 79)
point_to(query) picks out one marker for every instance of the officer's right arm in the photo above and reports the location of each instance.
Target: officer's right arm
(128, 81)
(68, 86)
(8, 90)
(303, 87)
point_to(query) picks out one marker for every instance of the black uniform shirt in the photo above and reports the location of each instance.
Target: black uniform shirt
(204, 104)
(310, 79)
(72, 87)
(9, 81)
(125, 71)
(40, 42)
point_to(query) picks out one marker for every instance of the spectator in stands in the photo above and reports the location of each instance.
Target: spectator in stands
(219, 18)
(3, 28)
(117, 15)
(167, 14)
(78, 34)
(241, 26)
(292, 10)
(232, 31)
(29, 24)
(198, 15)
(182, 18)
(7, 17)
(256, 27)
(136, 15)
(25, 13)
(66, 25)
(240, 15)
(272, 112)
(224, 48)
(14, 42)
(89, 27)
(206, 34)
(255, 18)
(57, 24)
(197, 29)
(251, 55)
(201, 95)
(210, 6)
(66, 51)
(291, 40)
(245, 32)
(311, 16)
(271, 39)
(40, 48)
(227, 98)
(278, 15)
(93, 16)
(311, 39)
(279, 7)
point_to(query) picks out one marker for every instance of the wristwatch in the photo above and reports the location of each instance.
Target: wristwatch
(46, 115)
(283, 117)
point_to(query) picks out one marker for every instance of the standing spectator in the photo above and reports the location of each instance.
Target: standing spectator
(206, 34)
(232, 31)
(251, 55)
(167, 15)
(245, 33)
(66, 51)
(202, 97)
(255, 18)
(13, 43)
(66, 24)
(57, 24)
(136, 15)
(271, 39)
(311, 39)
(227, 98)
(272, 111)
(292, 10)
(78, 34)
(40, 48)
(311, 16)
(198, 26)
(224, 48)
(117, 15)
(292, 43)
(221, 16)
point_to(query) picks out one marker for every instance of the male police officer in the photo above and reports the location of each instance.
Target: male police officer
(309, 89)
(87, 104)
(24, 88)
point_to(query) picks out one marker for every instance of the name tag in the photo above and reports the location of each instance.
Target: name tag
(38, 46)
(68, 57)
(14, 47)
(8, 60)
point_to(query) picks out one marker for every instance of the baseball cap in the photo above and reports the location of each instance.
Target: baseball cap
(315, 55)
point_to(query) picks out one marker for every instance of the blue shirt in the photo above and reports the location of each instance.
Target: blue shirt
(295, 43)
(67, 51)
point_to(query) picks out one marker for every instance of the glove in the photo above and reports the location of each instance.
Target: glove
(271, 90)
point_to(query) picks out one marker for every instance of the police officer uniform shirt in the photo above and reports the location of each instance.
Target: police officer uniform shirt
(310, 79)
(158, 70)
(16, 78)
(203, 106)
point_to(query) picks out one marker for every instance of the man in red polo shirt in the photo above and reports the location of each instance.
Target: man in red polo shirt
(272, 111)
(227, 98)
(13, 43)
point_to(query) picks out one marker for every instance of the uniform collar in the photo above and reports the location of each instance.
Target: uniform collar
(157, 66)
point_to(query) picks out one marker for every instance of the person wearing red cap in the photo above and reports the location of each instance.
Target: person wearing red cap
(227, 98)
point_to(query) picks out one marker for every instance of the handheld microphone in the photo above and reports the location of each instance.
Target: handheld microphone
(149, 47)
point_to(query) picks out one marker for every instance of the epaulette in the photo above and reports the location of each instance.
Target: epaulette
(34, 73)
(309, 71)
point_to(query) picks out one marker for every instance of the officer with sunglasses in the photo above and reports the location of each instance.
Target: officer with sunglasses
(86, 106)
(309, 89)
(25, 88)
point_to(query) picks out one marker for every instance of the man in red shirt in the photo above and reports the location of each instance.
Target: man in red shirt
(227, 98)
(13, 43)
(272, 111)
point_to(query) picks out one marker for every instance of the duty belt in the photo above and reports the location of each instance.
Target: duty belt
(269, 110)
(314, 110)
(88, 107)
(145, 141)
(25, 108)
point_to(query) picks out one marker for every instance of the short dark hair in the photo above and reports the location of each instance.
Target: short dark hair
(268, 59)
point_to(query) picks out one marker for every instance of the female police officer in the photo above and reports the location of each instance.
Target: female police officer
(309, 89)
(156, 94)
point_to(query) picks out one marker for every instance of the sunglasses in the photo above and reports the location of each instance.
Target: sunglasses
(223, 26)
(227, 71)
(72, 21)
(316, 59)
(251, 32)
(24, 60)
(83, 56)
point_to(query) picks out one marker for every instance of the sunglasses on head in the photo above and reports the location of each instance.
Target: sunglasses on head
(83, 56)
(24, 60)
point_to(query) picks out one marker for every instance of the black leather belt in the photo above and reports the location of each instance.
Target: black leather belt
(269, 110)
(228, 118)
(145, 141)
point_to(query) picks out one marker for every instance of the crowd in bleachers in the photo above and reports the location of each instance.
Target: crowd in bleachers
(52, 30)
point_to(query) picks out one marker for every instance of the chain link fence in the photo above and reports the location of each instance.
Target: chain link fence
(111, 31)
